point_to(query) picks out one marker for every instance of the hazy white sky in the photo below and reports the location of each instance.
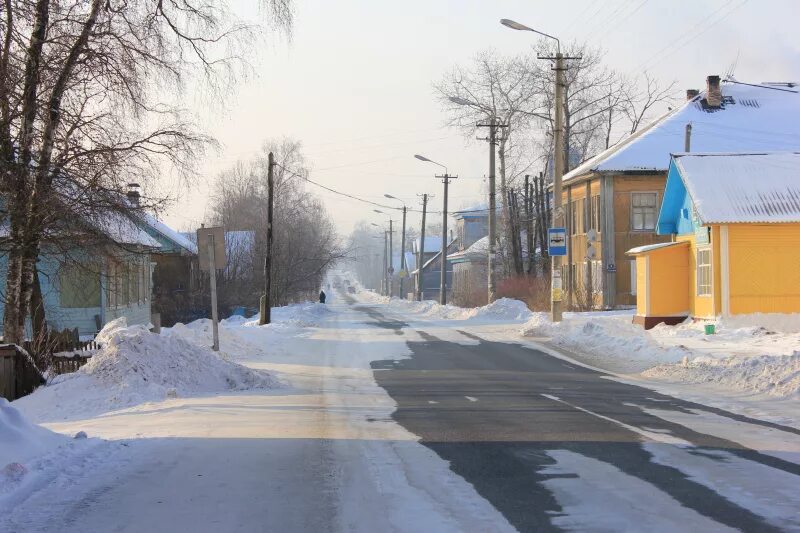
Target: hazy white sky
(354, 84)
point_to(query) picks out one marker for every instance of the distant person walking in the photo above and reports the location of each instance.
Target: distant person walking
(322, 297)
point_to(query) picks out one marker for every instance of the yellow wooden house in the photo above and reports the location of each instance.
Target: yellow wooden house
(734, 224)
(611, 201)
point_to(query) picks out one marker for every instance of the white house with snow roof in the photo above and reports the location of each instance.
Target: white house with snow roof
(617, 193)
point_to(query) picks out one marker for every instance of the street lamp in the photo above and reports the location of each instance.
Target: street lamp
(522, 27)
(558, 156)
(403, 269)
(446, 181)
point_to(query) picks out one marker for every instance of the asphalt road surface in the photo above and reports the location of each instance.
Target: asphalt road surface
(497, 411)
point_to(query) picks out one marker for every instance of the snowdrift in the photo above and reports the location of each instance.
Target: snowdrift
(20, 440)
(611, 343)
(135, 366)
(769, 374)
(742, 356)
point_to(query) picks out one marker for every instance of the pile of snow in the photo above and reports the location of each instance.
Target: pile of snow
(769, 374)
(502, 309)
(20, 441)
(746, 354)
(608, 342)
(241, 338)
(135, 366)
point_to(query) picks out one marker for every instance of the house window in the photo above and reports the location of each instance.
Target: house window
(643, 211)
(577, 216)
(80, 286)
(596, 212)
(133, 282)
(632, 262)
(111, 291)
(704, 272)
(597, 277)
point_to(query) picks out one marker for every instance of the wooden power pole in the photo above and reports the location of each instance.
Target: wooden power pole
(266, 305)
(421, 259)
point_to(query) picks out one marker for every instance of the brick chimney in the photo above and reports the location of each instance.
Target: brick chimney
(713, 94)
(691, 94)
(133, 194)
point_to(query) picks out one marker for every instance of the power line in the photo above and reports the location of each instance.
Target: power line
(365, 200)
(676, 42)
(617, 22)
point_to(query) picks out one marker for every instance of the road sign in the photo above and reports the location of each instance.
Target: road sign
(204, 235)
(611, 268)
(557, 241)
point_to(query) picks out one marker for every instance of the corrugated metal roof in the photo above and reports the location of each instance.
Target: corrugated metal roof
(742, 187)
(752, 118)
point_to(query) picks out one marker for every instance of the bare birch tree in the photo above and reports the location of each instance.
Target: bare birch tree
(82, 108)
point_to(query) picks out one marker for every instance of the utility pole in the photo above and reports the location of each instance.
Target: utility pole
(443, 280)
(559, 160)
(390, 270)
(385, 290)
(403, 268)
(421, 260)
(212, 267)
(266, 304)
(556, 304)
(490, 265)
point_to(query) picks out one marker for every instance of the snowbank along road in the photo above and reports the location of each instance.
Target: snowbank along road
(389, 422)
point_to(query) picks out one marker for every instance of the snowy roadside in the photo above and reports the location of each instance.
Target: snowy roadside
(751, 365)
(134, 369)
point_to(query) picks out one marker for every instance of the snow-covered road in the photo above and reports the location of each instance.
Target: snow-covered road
(392, 421)
(322, 455)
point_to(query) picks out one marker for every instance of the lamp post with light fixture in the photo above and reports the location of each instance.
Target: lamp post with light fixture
(446, 181)
(556, 305)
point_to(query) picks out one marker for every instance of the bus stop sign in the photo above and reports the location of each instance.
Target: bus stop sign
(557, 241)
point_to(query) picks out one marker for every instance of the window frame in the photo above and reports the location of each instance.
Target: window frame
(80, 287)
(633, 209)
(707, 286)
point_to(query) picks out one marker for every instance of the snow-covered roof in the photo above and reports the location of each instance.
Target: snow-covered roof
(752, 117)
(122, 229)
(478, 249)
(178, 238)
(742, 187)
(650, 247)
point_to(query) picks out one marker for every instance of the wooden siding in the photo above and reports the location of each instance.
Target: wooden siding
(626, 238)
(617, 289)
(763, 264)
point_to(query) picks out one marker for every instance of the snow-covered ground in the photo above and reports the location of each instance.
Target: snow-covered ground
(181, 438)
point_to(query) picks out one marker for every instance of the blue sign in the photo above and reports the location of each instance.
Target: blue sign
(557, 241)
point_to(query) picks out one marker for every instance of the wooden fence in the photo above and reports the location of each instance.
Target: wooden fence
(66, 363)
(18, 374)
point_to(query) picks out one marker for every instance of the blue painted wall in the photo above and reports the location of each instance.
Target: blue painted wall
(83, 318)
